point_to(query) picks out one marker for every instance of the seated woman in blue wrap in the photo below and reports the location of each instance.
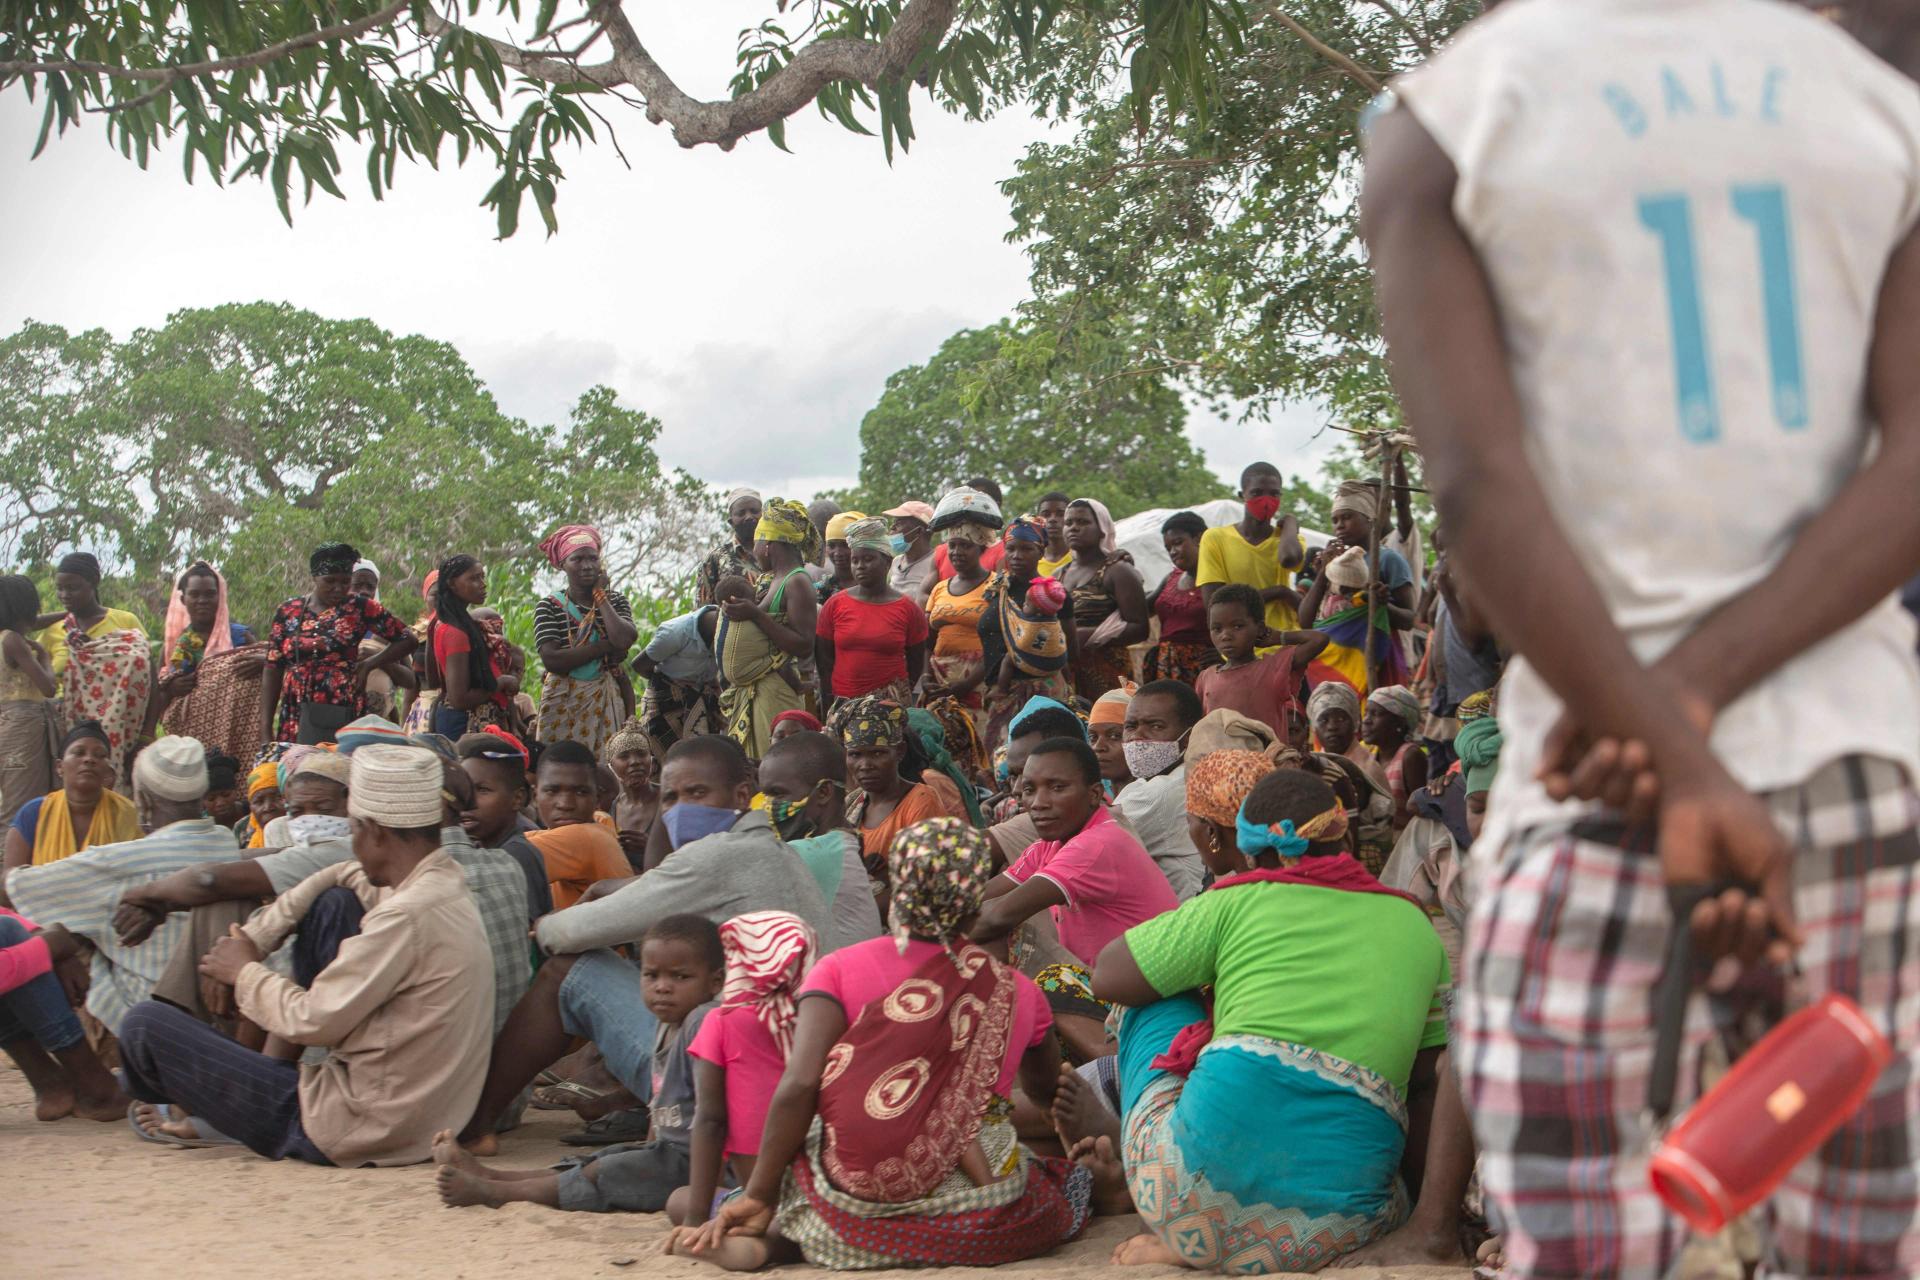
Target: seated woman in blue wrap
(1328, 1002)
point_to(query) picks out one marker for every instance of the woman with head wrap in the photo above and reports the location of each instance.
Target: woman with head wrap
(637, 805)
(967, 522)
(83, 813)
(839, 557)
(265, 802)
(1361, 599)
(29, 716)
(316, 677)
(1337, 1052)
(1391, 719)
(871, 639)
(1185, 648)
(102, 660)
(1334, 709)
(209, 686)
(461, 661)
(1109, 600)
(582, 634)
(734, 556)
(863, 1166)
(890, 782)
(1479, 742)
(1106, 731)
(763, 638)
(1025, 637)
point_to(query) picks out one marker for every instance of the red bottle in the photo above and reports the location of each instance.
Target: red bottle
(1781, 1100)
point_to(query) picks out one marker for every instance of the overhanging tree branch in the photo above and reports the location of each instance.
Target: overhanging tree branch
(1345, 65)
(182, 71)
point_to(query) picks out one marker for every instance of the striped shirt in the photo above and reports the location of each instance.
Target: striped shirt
(82, 892)
(554, 627)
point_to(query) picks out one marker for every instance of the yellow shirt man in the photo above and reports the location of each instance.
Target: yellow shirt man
(1227, 556)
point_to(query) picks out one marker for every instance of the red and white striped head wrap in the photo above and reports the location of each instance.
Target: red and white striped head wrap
(768, 952)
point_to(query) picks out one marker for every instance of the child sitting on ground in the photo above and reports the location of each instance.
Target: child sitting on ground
(681, 970)
(1259, 687)
(739, 1056)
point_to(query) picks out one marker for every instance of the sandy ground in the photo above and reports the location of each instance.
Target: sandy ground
(85, 1199)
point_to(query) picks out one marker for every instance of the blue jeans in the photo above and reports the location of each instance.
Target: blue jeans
(449, 723)
(37, 1009)
(600, 1000)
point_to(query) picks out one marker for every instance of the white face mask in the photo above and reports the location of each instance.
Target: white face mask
(1151, 759)
(312, 828)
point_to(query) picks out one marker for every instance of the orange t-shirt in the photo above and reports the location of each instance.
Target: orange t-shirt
(578, 857)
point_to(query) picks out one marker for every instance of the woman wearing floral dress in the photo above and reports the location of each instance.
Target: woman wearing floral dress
(315, 681)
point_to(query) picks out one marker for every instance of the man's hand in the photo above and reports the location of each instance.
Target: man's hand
(61, 945)
(1619, 774)
(135, 919)
(229, 956)
(219, 999)
(1713, 832)
(76, 979)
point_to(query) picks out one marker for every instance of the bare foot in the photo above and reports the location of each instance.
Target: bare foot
(1079, 1112)
(591, 1109)
(56, 1102)
(1110, 1195)
(106, 1107)
(154, 1120)
(459, 1188)
(1413, 1245)
(487, 1144)
(448, 1152)
(1145, 1250)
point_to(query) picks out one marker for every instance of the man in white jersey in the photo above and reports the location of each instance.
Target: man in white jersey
(1651, 281)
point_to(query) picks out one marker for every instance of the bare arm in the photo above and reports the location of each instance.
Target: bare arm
(916, 662)
(1007, 910)
(621, 633)
(1130, 596)
(709, 1138)
(823, 664)
(1117, 977)
(1293, 552)
(802, 607)
(25, 655)
(271, 680)
(144, 908)
(1450, 367)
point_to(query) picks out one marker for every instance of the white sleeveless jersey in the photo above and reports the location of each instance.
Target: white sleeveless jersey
(1686, 208)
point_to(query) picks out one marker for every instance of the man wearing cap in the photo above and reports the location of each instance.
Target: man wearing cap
(82, 892)
(734, 556)
(914, 568)
(405, 1008)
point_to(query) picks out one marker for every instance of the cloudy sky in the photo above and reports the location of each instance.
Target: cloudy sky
(731, 295)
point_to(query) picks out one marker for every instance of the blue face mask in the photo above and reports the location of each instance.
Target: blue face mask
(689, 822)
(899, 544)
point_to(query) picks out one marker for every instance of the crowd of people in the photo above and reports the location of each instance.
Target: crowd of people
(940, 881)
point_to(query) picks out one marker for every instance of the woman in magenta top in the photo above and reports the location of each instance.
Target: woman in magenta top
(1185, 650)
(870, 638)
(474, 692)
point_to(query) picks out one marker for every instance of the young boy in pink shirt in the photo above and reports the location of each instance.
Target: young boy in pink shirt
(1097, 878)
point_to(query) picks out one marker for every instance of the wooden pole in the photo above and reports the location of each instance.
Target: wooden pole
(1388, 452)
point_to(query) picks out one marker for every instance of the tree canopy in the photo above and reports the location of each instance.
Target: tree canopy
(272, 89)
(1051, 421)
(249, 434)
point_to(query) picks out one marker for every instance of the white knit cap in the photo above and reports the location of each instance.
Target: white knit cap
(397, 787)
(174, 768)
(330, 765)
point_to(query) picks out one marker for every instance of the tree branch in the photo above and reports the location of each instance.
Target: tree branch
(1347, 66)
(182, 71)
(553, 68)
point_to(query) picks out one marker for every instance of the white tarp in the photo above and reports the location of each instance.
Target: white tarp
(1139, 535)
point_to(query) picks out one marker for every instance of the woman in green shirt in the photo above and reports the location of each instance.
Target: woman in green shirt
(1330, 1051)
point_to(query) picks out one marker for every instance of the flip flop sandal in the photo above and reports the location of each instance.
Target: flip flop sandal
(208, 1135)
(616, 1126)
(563, 1096)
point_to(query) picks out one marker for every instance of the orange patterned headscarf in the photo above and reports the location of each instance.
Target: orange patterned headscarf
(1219, 783)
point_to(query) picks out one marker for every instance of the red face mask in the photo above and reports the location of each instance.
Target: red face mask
(1263, 507)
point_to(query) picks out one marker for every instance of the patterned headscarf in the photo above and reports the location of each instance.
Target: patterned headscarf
(972, 533)
(939, 871)
(1026, 529)
(1333, 695)
(1399, 700)
(566, 540)
(768, 952)
(1476, 706)
(263, 778)
(1111, 706)
(735, 495)
(332, 558)
(784, 520)
(869, 535)
(631, 737)
(1220, 783)
(872, 721)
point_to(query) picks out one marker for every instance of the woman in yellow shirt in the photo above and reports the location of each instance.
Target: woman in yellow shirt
(82, 814)
(77, 583)
(103, 660)
(29, 722)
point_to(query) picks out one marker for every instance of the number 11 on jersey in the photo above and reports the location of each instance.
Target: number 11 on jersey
(1670, 217)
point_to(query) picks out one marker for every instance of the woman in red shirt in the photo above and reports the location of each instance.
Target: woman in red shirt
(1185, 649)
(474, 691)
(870, 638)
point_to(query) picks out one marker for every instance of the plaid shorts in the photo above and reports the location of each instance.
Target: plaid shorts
(1556, 1039)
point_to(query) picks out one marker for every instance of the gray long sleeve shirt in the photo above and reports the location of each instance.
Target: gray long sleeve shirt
(719, 877)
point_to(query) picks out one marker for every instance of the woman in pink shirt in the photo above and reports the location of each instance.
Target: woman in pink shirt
(38, 1028)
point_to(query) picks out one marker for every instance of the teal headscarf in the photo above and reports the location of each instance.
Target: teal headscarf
(926, 726)
(1478, 745)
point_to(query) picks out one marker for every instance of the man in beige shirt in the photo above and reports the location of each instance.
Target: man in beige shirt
(405, 1008)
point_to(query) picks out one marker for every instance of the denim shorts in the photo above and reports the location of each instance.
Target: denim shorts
(600, 1001)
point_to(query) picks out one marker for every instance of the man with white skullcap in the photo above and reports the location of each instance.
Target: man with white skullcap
(405, 1008)
(82, 892)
